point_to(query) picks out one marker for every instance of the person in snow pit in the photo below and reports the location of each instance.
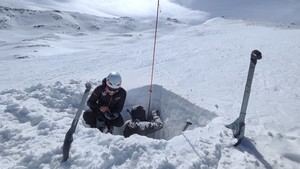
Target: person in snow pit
(139, 124)
(106, 104)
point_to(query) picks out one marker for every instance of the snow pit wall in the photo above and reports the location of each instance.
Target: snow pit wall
(174, 110)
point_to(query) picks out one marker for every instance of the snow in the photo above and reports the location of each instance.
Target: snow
(130, 8)
(276, 11)
(49, 49)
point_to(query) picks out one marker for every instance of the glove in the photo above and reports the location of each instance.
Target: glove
(155, 113)
(111, 116)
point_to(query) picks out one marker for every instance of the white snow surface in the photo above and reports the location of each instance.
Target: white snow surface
(50, 49)
(130, 8)
(279, 11)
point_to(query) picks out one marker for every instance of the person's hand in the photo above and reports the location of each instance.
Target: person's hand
(155, 113)
(104, 109)
(111, 116)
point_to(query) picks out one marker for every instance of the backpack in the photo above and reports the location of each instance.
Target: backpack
(138, 112)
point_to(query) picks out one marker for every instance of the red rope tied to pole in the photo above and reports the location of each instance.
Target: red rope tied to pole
(153, 58)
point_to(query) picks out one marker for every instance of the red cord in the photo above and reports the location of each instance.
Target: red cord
(153, 58)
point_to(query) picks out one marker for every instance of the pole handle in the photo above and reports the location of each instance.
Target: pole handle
(255, 55)
(187, 124)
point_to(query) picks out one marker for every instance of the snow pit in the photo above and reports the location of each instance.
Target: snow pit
(174, 110)
(41, 102)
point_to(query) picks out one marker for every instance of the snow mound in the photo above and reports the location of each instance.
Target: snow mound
(117, 8)
(73, 23)
(60, 22)
(36, 119)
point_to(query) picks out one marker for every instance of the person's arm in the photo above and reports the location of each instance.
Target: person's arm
(143, 127)
(120, 104)
(155, 124)
(127, 130)
(92, 101)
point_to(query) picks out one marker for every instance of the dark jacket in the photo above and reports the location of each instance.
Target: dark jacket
(136, 126)
(99, 98)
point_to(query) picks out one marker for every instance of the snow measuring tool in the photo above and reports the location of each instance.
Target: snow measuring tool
(69, 136)
(153, 58)
(238, 126)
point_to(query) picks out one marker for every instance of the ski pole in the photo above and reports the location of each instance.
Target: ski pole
(238, 126)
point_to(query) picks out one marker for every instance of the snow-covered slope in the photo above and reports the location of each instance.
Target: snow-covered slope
(276, 11)
(46, 56)
(116, 8)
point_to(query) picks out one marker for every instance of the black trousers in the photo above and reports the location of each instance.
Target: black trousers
(91, 117)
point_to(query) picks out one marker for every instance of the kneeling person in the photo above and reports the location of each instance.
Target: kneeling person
(139, 124)
(106, 104)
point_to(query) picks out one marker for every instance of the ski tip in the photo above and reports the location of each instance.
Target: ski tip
(88, 85)
(65, 155)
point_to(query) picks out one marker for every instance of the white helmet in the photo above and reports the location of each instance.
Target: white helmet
(114, 80)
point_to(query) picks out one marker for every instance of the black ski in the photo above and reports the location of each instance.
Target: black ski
(238, 126)
(69, 136)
